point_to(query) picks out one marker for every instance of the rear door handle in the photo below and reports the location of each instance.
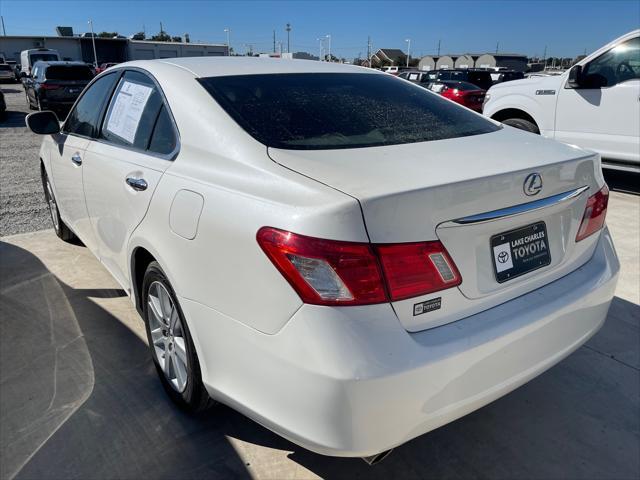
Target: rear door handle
(77, 159)
(138, 184)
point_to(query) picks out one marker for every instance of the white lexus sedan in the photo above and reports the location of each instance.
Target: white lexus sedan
(343, 256)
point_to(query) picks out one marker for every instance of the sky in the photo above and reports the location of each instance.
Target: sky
(565, 28)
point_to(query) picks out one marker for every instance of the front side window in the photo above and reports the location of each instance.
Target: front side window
(339, 110)
(617, 65)
(84, 118)
(133, 111)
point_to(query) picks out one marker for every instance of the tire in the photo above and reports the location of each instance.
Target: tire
(168, 335)
(29, 101)
(62, 230)
(522, 124)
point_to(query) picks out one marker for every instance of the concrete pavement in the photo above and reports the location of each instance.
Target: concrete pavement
(79, 396)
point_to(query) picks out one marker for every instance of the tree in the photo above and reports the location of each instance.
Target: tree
(176, 39)
(138, 36)
(162, 36)
(107, 34)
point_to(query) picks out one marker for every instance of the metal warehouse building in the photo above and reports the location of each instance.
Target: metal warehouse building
(428, 63)
(107, 49)
(511, 61)
(445, 62)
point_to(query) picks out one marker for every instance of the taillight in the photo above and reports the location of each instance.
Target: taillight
(330, 272)
(413, 269)
(594, 214)
(49, 86)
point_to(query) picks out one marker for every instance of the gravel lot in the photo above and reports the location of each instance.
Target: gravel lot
(22, 206)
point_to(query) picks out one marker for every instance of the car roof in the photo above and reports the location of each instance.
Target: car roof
(226, 66)
(59, 63)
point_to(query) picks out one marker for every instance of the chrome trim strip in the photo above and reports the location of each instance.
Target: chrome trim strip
(522, 208)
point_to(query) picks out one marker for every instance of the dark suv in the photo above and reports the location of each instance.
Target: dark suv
(56, 85)
(479, 78)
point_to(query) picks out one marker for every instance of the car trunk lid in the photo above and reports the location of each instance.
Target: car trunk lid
(469, 193)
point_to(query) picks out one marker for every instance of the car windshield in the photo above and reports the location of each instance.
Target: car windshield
(75, 72)
(339, 110)
(43, 57)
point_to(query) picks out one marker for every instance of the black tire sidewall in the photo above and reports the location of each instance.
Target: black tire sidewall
(190, 398)
(521, 124)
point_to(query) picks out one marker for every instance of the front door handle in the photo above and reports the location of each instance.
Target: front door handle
(138, 184)
(77, 159)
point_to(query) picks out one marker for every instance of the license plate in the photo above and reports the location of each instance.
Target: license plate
(520, 251)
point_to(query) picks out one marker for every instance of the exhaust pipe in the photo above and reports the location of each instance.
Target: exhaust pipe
(377, 458)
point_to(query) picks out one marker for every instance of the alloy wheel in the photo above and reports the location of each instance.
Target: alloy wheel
(53, 207)
(167, 336)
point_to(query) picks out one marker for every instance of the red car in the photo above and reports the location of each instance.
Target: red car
(464, 93)
(104, 66)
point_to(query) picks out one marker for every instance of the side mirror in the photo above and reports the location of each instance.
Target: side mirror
(575, 77)
(43, 123)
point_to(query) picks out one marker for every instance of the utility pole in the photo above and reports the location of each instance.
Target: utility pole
(288, 29)
(544, 57)
(161, 29)
(228, 32)
(497, 46)
(274, 41)
(93, 41)
(4, 32)
(320, 52)
(438, 47)
(369, 50)
(329, 38)
(408, 40)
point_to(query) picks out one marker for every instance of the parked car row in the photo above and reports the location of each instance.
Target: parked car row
(56, 85)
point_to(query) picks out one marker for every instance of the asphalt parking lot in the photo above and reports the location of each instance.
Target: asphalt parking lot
(79, 396)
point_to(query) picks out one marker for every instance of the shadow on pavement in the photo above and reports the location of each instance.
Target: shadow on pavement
(98, 411)
(13, 119)
(627, 182)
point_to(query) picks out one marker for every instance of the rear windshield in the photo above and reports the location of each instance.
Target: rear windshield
(464, 86)
(481, 79)
(5, 67)
(313, 111)
(44, 57)
(76, 72)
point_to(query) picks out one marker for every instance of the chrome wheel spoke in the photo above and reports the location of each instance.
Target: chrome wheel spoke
(180, 349)
(156, 310)
(180, 370)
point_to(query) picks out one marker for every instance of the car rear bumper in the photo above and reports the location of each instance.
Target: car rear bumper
(350, 381)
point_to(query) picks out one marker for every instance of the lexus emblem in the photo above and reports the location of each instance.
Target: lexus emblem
(532, 184)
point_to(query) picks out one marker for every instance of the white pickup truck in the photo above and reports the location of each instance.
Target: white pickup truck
(595, 105)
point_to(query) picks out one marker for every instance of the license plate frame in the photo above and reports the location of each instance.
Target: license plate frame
(519, 251)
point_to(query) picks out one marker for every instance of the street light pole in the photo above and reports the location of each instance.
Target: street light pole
(228, 32)
(329, 37)
(408, 40)
(288, 29)
(93, 41)
(320, 52)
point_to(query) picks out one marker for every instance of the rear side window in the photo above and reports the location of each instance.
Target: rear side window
(163, 139)
(84, 118)
(339, 110)
(70, 72)
(133, 111)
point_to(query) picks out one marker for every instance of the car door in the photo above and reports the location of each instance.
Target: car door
(66, 159)
(29, 83)
(602, 114)
(137, 142)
